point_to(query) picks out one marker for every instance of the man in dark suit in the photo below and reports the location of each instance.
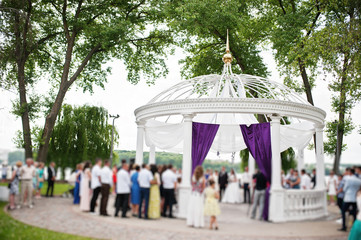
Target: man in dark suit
(51, 179)
(222, 181)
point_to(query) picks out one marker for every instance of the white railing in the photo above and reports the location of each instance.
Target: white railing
(304, 204)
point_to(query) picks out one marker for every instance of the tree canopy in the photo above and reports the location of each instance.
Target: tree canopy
(200, 27)
(68, 42)
(80, 134)
(338, 46)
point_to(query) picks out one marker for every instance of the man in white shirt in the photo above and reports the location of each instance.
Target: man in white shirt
(169, 180)
(351, 187)
(305, 180)
(95, 183)
(123, 190)
(246, 178)
(106, 181)
(288, 178)
(27, 173)
(145, 178)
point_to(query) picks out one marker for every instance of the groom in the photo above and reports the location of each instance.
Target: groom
(222, 181)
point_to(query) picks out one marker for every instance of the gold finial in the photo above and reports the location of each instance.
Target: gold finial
(227, 58)
(227, 43)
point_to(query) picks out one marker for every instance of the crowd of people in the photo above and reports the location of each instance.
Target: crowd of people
(296, 180)
(150, 191)
(346, 188)
(31, 177)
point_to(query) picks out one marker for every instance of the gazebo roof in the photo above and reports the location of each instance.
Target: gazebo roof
(228, 85)
(229, 99)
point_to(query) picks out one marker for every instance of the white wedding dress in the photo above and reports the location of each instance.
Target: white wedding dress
(232, 193)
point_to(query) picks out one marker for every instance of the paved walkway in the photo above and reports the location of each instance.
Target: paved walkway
(59, 214)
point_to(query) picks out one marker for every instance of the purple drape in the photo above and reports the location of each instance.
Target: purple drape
(203, 135)
(257, 138)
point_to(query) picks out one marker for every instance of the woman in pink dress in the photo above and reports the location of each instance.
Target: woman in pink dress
(85, 191)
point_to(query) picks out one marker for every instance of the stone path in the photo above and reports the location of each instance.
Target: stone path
(59, 214)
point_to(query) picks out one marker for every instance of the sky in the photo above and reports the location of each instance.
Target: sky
(121, 97)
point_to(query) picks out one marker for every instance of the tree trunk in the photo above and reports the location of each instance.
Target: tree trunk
(306, 82)
(341, 118)
(308, 90)
(20, 51)
(64, 86)
(50, 123)
(25, 114)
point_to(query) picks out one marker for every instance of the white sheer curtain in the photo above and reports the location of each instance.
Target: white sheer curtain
(297, 135)
(229, 138)
(164, 136)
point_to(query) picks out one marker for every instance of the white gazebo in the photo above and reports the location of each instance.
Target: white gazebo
(230, 100)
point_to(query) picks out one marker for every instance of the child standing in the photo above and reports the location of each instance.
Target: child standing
(211, 207)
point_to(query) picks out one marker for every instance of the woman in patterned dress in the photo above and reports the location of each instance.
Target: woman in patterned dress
(195, 213)
(40, 179)
(14, 185)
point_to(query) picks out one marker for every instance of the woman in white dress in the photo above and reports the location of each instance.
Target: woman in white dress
(215, 179)
(85, 191)
(232, 193)
(195, 214)
(331, 187)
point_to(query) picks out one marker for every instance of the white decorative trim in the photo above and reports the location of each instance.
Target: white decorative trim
(231, 105)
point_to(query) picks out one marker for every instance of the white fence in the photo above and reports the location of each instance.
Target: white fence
(304, 204)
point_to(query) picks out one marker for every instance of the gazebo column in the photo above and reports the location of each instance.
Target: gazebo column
(140, 142)
(251, 164)
(185, 188)
(152, 154)
(251, 169)
(300, 160)
(276, 206)
(320, 166)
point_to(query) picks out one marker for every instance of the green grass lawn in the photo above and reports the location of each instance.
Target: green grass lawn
(13, 229)
(59, 188)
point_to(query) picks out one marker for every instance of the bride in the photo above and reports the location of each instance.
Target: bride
(232, 193)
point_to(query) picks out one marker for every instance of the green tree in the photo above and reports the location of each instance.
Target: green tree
(288, 159)
(244, 155)
(338, 44)
(81, 133)
(79, 37)
(200, 27)
(175, 159)
(295, 22)
(16, 65)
